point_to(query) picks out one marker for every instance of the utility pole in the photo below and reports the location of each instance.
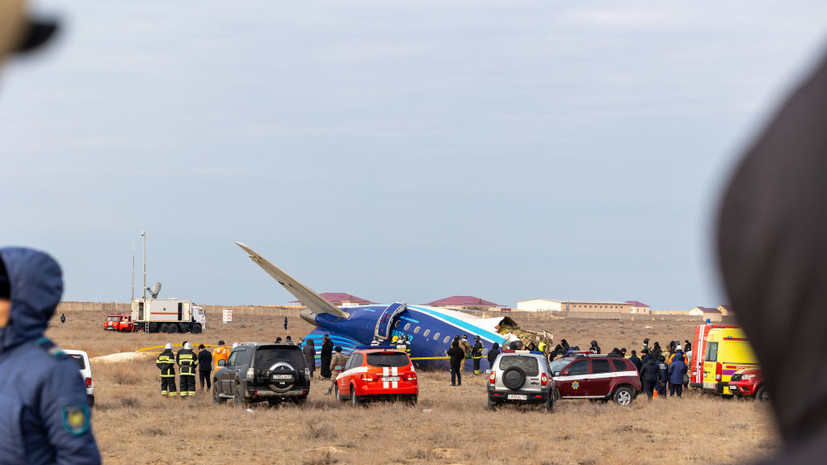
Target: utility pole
(133, 270)
(143, 234)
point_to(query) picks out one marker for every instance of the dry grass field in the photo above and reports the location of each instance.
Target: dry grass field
(134, 424)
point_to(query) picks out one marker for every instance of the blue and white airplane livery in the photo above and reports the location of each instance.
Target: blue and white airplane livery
(429, 329)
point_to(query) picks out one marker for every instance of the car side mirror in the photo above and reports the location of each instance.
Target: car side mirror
(556, 373)
(221, 363)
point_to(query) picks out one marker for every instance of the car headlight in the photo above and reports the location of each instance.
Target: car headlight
(746, 377)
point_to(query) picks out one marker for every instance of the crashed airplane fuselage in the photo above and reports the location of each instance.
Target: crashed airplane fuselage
(430, 330)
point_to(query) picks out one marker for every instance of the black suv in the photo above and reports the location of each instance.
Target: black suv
(258, 372)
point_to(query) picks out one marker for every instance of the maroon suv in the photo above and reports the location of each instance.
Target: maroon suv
(749, 382)
(594, 376)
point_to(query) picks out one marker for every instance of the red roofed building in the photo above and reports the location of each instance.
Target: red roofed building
(638, 307)
(707, 313)
(463, 301)
(341, 299)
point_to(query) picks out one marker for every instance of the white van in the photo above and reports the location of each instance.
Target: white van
(82, 359)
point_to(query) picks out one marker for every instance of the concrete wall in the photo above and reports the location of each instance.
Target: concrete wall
(538, 305)
(211, 310)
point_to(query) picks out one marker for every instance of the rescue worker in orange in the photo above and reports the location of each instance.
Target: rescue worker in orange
(337, 365)
(220, 353)
(187, 361)
(166, 363)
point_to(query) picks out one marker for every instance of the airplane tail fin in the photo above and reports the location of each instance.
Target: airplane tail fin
(314, 302)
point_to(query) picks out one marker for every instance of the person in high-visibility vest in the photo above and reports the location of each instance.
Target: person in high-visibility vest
(187, 361)
(476, 354)
(220, 353)
(166, 363)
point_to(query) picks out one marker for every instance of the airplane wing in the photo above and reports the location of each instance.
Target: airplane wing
(310, 299)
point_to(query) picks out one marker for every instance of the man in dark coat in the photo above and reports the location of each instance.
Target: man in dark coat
(773, 256)
(476, 354)
(649, 376)
(663, 376)
(457, 354)
(564, 347)
(45, 416)
(492, 355)
(635, 361)
(676, 371)
(204, 367)
(326, 356)
(594, 347)
(309, 352)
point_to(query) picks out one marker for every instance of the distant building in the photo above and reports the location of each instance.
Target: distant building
(340, 299)
(639, 307)
(707, 313)
(463, 302)
(539, 305)
(599, 306)
(726, 310)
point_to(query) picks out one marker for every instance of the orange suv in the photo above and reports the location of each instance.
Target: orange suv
(378, 373)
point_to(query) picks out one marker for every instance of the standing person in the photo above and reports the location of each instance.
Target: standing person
(309, 352)
(663, 376)
(649, 376)
(656, 351)
(187, 361)
(337, 365)
(288, 339)
(62, 318)
(677, 369)
(476, 354)
(166, 363)
(204, 367)
(645, 347)
(285, 323)
(45, 409)
(492, 355)
(564, 347)
(457, 357)
(594, 347)
(220, 353)
(636, 361)
(326, 355)
(465, 346)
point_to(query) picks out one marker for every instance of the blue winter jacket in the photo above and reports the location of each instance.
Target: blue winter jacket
(45, 412)
(677, 369)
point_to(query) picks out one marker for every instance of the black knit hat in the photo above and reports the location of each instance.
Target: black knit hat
(5, 286)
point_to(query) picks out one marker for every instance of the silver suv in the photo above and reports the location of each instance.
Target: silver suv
(521, 377)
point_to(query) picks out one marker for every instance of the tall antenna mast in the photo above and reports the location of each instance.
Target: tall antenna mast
(143, 234)
(133, 270)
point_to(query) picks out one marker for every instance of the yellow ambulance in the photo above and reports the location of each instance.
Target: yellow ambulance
(726, 351)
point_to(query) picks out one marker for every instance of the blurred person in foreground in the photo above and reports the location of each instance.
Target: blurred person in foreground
(46, 418)
(772, 248)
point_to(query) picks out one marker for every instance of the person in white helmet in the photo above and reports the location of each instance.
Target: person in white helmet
(187, 361)
(166, 363)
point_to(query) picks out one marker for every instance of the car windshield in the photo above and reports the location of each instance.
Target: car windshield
(112, 318)
(269, 356)
(79, 360)
(527, 364)
(388, 359)
(559, 364)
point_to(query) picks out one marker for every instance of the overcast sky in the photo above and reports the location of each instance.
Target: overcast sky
(395, 150)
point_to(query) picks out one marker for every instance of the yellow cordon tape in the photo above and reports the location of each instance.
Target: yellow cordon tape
(154, 348)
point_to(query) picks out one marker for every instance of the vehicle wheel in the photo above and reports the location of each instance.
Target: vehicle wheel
(164, 328)
(354, 399)
(492, 404)
(556, 395)
(196, 328)
(413, 399)
(622, 396)
(338, 394)
(216, 394)
(300, 401)
(273, 403)
(549, 405)
(91, 400)
(514, 378)
(763, 395)
(238, 397)
(173, 328)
